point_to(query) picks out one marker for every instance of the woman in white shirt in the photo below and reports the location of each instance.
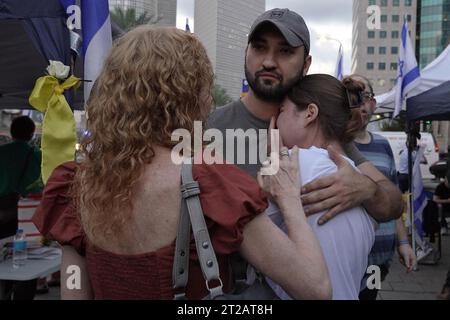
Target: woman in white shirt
(322, 112)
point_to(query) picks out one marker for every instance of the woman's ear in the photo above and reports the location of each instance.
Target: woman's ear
(312, 113)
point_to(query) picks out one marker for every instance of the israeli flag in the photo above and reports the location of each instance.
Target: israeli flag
(408, 74)
(339, 73)
(420, 199)
(187, 26)
(245, 88)
(67, 3)
(97, 39)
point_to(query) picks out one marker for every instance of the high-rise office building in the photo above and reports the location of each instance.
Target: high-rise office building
(433, 29)
(164, 12)
(223, 27)
(375, 52)
(433, 36)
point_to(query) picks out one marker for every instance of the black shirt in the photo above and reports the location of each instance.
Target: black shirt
(443, 193)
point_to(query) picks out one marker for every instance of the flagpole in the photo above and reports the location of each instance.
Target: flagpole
(340, 53)
(410, 184)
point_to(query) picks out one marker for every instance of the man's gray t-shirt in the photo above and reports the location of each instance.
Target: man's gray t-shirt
(236, 116)
(250, 144)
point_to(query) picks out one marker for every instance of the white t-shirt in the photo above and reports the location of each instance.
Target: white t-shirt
(346, 240)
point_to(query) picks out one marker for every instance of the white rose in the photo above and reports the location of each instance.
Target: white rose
(58, 70)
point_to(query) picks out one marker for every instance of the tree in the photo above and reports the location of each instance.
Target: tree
(221, 97)
(128, 19)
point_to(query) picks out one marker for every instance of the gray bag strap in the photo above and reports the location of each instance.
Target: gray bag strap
(191, 212)
(180, 271)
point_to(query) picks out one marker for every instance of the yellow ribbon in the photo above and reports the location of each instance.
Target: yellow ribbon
(58, 128)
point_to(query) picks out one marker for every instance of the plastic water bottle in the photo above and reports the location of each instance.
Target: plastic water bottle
(19, 249)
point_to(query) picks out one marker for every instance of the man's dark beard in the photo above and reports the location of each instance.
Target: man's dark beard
(273, 94)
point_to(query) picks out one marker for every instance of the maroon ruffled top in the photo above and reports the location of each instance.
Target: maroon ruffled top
(230, 199)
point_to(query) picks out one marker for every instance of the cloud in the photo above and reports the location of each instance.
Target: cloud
(185, 9)
(331, 18)
(325, 18)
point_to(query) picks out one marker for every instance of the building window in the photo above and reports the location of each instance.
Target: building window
(409, 18)
(383, 18)
(394, 50)
(370, 65)
(408, 3)
(393, 66)
(383, 34)
(395, 18)
(384, 3)
(382, 66)
(370, 50)
(382, 50)
(371, 34)
(394, 34)
(396, 3)
(372, 2)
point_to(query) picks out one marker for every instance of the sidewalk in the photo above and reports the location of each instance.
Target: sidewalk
(423, 284)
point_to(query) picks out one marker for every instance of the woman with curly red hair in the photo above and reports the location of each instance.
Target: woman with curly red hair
(121, 228)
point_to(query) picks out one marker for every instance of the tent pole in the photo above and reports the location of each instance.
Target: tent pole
(409, 140)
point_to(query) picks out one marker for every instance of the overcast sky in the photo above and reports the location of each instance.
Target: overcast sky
(331, 18)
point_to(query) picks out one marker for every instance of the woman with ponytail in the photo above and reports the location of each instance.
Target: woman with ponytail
(322, 113)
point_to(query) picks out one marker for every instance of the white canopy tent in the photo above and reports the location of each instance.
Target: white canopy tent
(433, 75)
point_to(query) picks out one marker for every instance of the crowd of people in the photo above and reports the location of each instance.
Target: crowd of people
(310, 230)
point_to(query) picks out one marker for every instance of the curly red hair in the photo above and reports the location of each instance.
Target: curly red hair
(155, 80)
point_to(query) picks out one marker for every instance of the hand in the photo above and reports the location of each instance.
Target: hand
(285, 183)
(340, 191)
(407, 257)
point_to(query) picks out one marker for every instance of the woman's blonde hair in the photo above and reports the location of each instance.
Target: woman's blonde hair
(154, 81)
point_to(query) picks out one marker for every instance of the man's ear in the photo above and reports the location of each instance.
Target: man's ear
(307, 64)
(312, 113)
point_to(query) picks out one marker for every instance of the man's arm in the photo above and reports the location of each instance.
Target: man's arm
(386, 204)
(437, 199)
(405, 252)
(348, 188)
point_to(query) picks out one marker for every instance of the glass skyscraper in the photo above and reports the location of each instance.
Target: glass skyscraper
(433, 29)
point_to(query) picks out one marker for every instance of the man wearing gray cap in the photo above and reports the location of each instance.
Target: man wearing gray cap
(277, 57)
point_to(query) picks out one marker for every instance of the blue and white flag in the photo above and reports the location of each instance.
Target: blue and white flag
(97, 39)
(408, 74)
(339, 73)
(67, 3)
(187, 25)
(245, 88)
(419, 196)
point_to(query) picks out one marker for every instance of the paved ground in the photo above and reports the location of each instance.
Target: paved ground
(422, 284)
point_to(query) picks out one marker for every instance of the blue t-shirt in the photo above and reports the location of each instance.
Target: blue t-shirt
(379, 153)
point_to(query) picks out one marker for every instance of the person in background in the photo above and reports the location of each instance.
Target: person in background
(392, 234)
(445, 293)
(20, 167)
(442, 196)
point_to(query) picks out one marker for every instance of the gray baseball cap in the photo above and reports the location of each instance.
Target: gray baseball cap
(291, 25)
